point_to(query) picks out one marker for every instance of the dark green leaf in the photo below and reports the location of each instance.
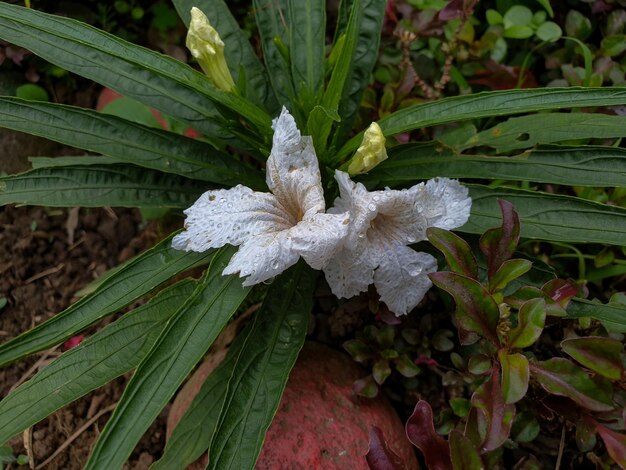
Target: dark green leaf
(109, 353)
(363, 61)
(464, 455)
(126, 141)
(515, 375)
(530, 322)
(152, 78)
(271, 17)
(475, 308)
(272, 343)
(509, 271)
(562, 377)
(487, 104)
(458, 254)
(614, 313)
(575, 166)
(185, 339)
(600, 354)
(548, 216)
(135, 279)
(307, 40)
(239, 53)
(528, 131)
(97, 186)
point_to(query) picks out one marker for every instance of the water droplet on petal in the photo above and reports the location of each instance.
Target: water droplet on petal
(371, 207)
(223, 199)
(361, 235)
(230, 205)
(410, 239)
(219, 225)
(376, 198)
(274, 264)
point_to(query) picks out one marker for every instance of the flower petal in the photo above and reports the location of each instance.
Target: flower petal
(317, 238)
(230, 216)
(292, 170)
(401, 278)
(351, 271)
(262, 257)
(386, 214)
(444, 203)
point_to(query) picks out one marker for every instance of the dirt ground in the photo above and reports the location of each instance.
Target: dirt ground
(46, 256)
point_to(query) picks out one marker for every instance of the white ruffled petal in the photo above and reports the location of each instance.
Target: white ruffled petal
(444, 203)
(318, 238)
(401, 278)
(292, 170)
(230, 216)
(350, 271)
(262, 257)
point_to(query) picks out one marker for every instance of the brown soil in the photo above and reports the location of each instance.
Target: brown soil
(46, 256)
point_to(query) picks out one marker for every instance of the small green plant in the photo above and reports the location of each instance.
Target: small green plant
(499, 320)
(313, 90)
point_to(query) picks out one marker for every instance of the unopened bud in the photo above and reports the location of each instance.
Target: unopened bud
(205, 44)
(371, 152)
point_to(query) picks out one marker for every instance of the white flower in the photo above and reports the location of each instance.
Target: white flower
(273, 230)
(382, 224)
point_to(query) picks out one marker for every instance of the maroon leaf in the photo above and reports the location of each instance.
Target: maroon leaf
(454, 9)
(458, 254)
(464, 455)
(475, 308)
(600, 354)
(560, 290)
(615, 444)
(422, 434)
(498, 244)
(562, 377)
(380, 456)
(495, 416)
(515, 374)
(531, 319)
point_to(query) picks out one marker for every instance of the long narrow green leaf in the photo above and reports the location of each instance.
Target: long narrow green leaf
(307, 41)
(547, 128)
(259, 359)
(320, 122)
(244, 65)
(365, 56)
(186, 338)
(126, 141)
(487, 104)
(260, 374)
(549, 216)
(136, 279)
(574, 166)
(111, 352)
(97, 186)
(613, 313)
(271, 18)
(152, 78)
(82, 160)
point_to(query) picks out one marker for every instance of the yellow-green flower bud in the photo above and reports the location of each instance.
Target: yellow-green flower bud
(205, 44)
(371, 152)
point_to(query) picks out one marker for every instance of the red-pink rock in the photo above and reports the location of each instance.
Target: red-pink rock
(320, 422)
